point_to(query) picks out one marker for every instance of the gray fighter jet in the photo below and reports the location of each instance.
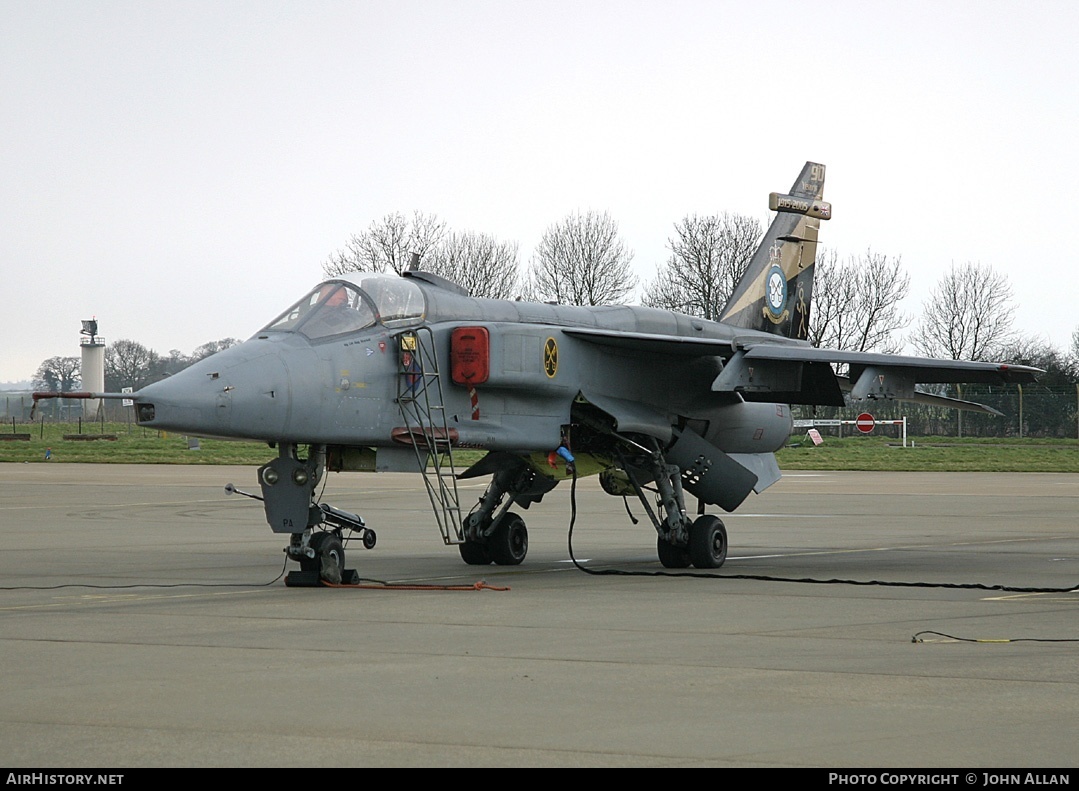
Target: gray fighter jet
(371, 372)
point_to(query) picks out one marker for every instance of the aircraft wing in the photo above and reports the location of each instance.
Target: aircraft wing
(797, 373)
(926, 370)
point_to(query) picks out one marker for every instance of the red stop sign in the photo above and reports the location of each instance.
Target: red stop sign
(864, 422)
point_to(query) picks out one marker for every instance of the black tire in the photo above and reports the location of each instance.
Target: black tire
(671, 556)
(369, 538)
(474, 553)
(330, 556)
(708, 542)
(509, 542)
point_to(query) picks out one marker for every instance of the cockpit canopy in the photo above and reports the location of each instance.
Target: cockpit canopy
(353, 303)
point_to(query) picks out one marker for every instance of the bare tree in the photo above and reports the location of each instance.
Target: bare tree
(856, 303)
(177, 361)
(387, 244)
(968, 316)
(129, 364)
(479, 262)
(1048, 407)
(708, 257)
(212, 347)
(830, 293)
(582, 260)
(60, 374)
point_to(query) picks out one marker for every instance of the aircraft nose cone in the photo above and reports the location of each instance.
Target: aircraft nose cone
(241, 392)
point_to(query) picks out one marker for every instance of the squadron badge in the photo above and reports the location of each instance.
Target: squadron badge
(550, 358)
(775, 295)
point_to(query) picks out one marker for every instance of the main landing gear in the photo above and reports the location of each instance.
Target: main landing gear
(680, 543)
(505, 545)
(707, 542)
(493, 533)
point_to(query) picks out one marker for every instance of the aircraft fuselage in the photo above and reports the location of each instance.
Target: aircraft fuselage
(343, 389)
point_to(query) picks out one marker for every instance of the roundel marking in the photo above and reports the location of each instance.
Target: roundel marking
(775, 296)
(550, 358)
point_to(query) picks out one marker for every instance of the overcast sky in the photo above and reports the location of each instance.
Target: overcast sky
(180, 170)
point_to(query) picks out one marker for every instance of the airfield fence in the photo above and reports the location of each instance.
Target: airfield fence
(1029, 411)
(18, 405)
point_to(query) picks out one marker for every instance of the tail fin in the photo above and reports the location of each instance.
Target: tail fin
(776, 291)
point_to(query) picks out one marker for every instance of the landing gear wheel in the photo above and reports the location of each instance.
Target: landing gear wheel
(671, 556)
(509, 542)
(330, 557)
(707, 542)
(474, 553)
(369, 539)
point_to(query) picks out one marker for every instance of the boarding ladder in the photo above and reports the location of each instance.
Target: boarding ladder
(420, 398)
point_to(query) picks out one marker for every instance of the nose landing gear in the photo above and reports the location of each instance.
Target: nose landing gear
(318, 532)
(321, 553)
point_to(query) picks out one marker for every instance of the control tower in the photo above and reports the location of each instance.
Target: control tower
(93, 367)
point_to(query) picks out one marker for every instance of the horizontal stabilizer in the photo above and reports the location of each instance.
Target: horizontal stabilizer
(928, 399)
